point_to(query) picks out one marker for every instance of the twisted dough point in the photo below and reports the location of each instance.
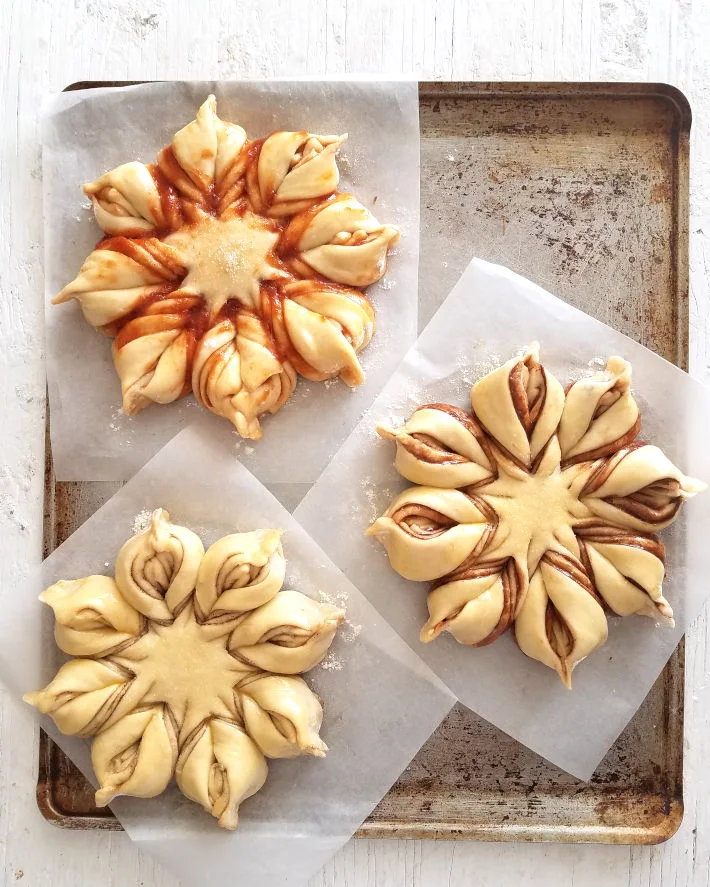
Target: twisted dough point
(292, 170)
(91, 616)
(82, 696)
(561, 620)
(322, 328)
(236, 374)
(156, 571)
(219, 767)
(627, 570)
(206, 152)
(136, 756)
(441, 446)
(600, 414)
(638, 488)
(283, 716)
(126, 200)
(429, 532)
(288, 635)
(476, 604)
(341, 240)
(520, 405)
(240, 572)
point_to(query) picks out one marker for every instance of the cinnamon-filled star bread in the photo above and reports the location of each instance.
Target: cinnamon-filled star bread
(229, 267)
(189, 668)
(536, 511)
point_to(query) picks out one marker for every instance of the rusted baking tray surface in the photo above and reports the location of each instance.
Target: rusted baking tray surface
(584, 189)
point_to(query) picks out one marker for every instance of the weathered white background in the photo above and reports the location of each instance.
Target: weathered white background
(46, 44)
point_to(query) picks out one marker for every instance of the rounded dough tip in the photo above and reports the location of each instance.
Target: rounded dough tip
(353, 376)
(379, 528)
(429, 632)
(104, 796)
(664, 614)
(337, 142)
(132, 403)
(385, 432)
(158, 516)
(318, 749)
(229, 821)
(393, 234)
(62, 296)
(618, 365)
(565, 673)
(271, 539)
(336, 617)
(210, 103)
(248, 430)
(691, 487)
(533, 350)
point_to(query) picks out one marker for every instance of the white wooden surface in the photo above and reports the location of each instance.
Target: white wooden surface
(46, 44)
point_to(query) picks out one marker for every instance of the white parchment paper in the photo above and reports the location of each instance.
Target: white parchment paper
(90, 131)
(488, 317)
(381, 701)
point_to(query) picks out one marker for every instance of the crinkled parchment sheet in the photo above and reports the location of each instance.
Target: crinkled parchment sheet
(489, 316)
(90, 131)
(381, 702)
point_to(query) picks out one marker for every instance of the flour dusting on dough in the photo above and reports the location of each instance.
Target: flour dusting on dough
(141, 522)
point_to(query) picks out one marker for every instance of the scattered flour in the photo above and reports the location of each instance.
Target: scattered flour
(335, 599)
(376, 498)
(349, 632)
(141, 522)
(332, 663)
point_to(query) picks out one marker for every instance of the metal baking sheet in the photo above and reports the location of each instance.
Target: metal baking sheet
(584, 189)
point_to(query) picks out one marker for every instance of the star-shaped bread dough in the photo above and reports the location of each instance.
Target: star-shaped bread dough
(190, 664)
(537, 510)
(230, 267)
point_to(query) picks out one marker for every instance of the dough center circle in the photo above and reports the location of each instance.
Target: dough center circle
(226, 258)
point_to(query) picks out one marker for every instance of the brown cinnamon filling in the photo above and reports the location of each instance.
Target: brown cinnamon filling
(558, 634)
(430, 449)
(623, 442)
(286, 636)
(571, 567)
(608, 399)
(655, 503)
(422, 522)
(528, 390)
(609, 535)
(513, 581)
